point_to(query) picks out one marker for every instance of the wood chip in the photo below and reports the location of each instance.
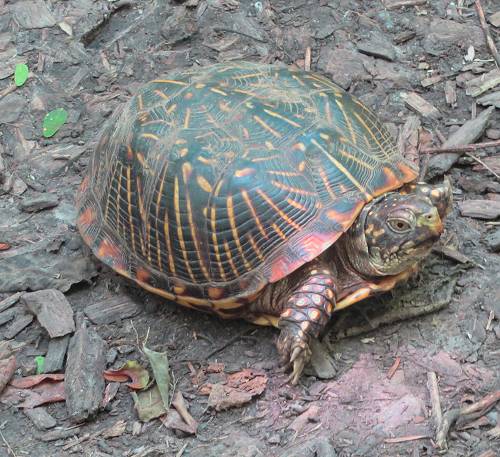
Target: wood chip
(41, 419)
(426, 82)
(450, 92)
(466, 134)
(32, 14)
(53, 311)
(492, 99)
(480, 209)
(393, 368)
(408, 139)
(482, 83)
(62, 434)
(404, 439)
(394, 4)
(112, 310)
(56, 352)
(9, 301)
(421, 106)
(84, 383)
(20, 322)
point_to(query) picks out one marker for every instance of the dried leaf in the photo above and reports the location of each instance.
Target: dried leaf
(21, 74)
(238, 389)
(174, 421)
(7, 369)
(31, 381)
(115, 430)
(180, 405)
(131, 370)
(45, 392)
(159, 364)
(149, 404)
(53, 121)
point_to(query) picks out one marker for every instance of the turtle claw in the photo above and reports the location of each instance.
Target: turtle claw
(295, 353)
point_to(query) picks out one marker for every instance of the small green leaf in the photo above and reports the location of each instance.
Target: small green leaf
(40, 364)
(21, 74)
(159, 364)
(53, 121)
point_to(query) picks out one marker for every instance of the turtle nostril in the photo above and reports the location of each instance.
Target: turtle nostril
(429, 216)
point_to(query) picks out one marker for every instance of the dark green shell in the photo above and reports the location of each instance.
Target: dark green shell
(212, 182)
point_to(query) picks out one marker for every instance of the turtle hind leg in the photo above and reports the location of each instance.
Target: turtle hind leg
(305, 314)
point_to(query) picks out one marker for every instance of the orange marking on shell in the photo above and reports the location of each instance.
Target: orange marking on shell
(286, 313)
(304, 326)
(299, 147)
(302, 166)
(108, 250)
(215, 293)
(130, 153)
(244, 172)
(188, 96)
(435, 193)
(142, 275)
(409, 174)
(87, 217)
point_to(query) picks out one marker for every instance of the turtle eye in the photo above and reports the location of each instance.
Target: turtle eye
(399, 225)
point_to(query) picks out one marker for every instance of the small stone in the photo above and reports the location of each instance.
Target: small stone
(38, 203)
(11, 107)
(54, 359)
(492, 240)
(41, 419)
(136, 428)
(52, 310)
(321, 364)
(84, 384)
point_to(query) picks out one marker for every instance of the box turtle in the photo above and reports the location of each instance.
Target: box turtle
(260, 192)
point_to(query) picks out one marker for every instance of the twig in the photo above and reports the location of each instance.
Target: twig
(394, 367)
(11, 451)
(238, 32)
(489, 40)
(181, 451)
(463, 148)
(451, 416)
(404, 439)
(437, 414)
(307, 59)
(478, 160)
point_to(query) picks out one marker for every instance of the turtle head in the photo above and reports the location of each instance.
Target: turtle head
(399, 229)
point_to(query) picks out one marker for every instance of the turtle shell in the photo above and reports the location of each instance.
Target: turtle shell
(212, 182)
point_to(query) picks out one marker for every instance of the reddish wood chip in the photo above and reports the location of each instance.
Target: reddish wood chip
(4, 246)
(133, 371)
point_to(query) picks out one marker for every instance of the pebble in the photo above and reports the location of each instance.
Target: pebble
(41, 419)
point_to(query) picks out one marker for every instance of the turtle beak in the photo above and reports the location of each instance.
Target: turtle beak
(432, 220)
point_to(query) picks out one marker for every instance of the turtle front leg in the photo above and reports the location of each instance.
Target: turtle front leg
(306, 312)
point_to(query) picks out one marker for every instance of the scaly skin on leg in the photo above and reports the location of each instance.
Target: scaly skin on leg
(306, 312)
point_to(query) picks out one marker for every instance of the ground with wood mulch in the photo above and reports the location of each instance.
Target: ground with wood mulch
(415, 372)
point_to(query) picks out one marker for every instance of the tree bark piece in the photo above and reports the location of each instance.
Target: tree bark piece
(480, 209)
(41, 419)
(20, 322)
(84, 382)
(477, 86)
(421, 106)
(9, 301)
(54, 359)
(52, 310)
(111, 310)
(468, 133)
